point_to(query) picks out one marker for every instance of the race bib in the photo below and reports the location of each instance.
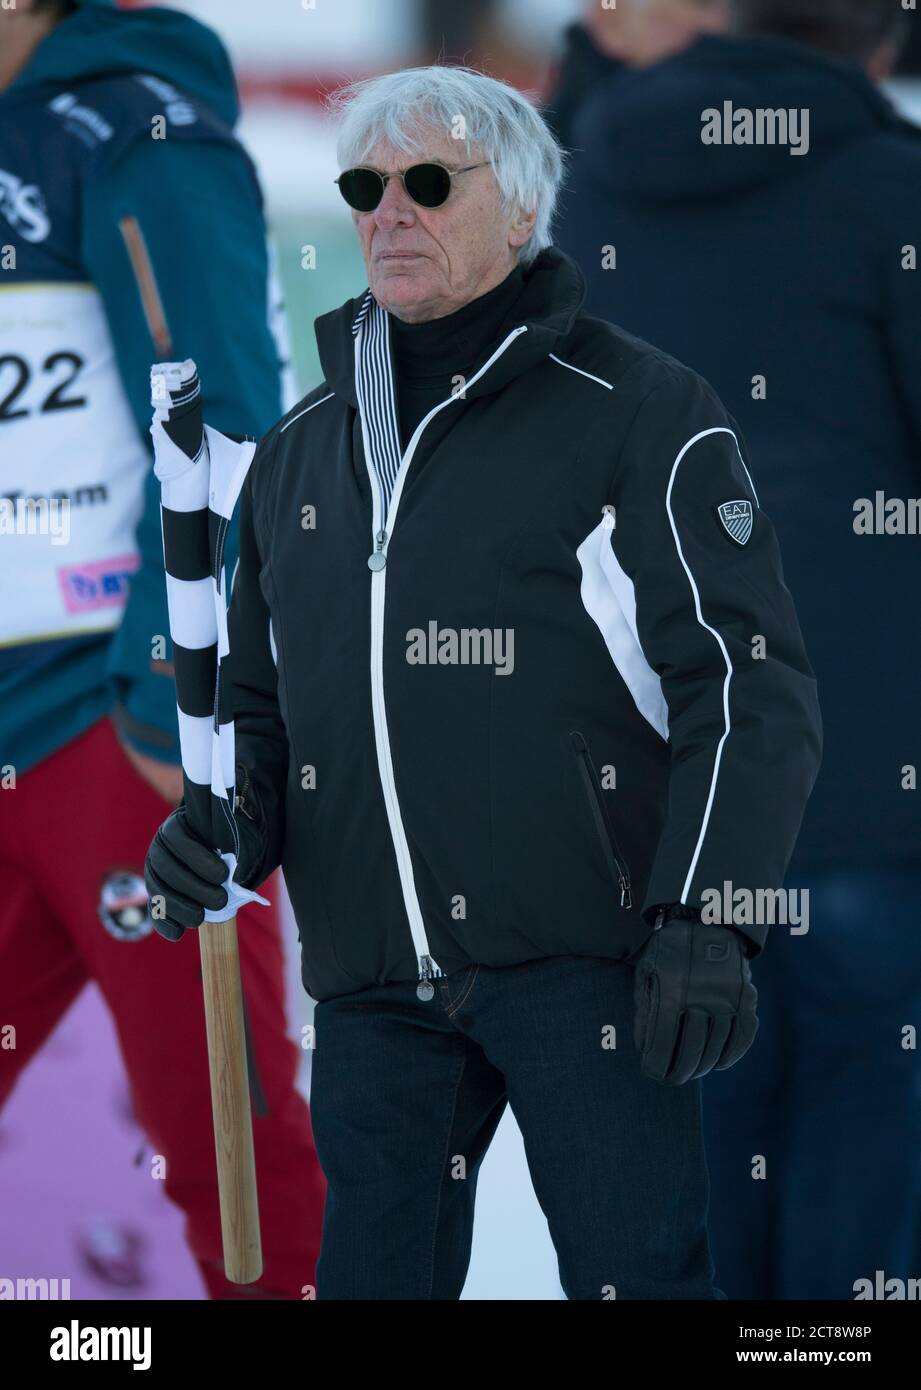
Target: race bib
(72, 466)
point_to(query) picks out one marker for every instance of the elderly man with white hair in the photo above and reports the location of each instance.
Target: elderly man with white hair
(519, 695)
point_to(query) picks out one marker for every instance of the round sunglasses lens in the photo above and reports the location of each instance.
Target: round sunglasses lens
(427, 184)
(362, 189)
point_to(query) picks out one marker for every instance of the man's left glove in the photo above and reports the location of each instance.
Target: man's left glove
(695, 1001)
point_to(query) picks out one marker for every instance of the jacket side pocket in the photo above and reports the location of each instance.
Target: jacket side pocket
(617, 864)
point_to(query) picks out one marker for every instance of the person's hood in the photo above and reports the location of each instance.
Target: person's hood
(99, 40)
(583, 66)
(553, 295)
(643, 130)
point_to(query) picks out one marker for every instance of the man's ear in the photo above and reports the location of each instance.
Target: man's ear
(521, 229)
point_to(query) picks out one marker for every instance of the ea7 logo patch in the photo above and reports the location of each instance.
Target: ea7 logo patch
(737, 519)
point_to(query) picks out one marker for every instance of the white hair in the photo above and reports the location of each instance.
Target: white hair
(487, 117)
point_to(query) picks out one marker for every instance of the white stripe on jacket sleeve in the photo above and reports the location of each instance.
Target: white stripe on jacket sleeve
(727, 682)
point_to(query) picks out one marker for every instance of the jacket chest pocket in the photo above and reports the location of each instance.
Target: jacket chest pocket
(614, 858)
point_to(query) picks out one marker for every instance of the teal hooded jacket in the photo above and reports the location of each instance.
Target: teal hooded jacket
(75, 138)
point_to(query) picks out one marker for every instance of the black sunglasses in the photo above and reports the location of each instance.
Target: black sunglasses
(427, 184)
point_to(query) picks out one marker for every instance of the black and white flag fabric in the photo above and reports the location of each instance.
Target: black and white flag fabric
(201, 473)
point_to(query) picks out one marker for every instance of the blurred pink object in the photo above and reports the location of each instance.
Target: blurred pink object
(112, 1252)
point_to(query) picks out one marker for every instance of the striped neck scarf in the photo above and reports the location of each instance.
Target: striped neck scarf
(374, 385)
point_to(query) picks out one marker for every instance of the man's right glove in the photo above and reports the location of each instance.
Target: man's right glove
(187, 875)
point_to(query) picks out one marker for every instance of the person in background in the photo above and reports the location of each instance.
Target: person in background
(784, 271)
(633, 34)
(132, 230)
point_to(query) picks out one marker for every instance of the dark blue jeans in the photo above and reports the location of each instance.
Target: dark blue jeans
(406, 1096)
(829, 1097)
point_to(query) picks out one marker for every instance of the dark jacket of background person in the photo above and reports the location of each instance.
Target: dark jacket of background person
(583, 66)
(746, 260)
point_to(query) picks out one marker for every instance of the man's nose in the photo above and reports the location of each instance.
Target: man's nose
(396, 208)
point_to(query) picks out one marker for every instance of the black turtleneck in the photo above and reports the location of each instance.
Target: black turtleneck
(427, 357)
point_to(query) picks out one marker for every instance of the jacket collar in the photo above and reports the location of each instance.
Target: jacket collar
(552, 298)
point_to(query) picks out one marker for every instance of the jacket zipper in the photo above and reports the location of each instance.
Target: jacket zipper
(612, 852)
(240, 797)
(377, 564)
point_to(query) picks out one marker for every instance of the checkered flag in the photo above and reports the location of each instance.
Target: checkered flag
(201, 473)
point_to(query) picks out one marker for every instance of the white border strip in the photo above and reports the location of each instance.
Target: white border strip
(721, 429)
(306, 411)
(608, 384)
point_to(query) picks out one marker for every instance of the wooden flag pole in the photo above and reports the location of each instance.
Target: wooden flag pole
(230, 1105)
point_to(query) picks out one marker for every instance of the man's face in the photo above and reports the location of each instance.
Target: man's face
(22, 29)
(423, 263)
(643, 32)
(691, 18)
(10, 14)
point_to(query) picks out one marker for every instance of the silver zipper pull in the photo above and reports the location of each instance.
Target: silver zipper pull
(378, 559)
(425, 990)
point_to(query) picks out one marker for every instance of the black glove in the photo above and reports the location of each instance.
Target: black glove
(188, 875)
(695, 1001)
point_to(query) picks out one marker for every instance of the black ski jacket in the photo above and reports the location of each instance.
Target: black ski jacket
(560, 684)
